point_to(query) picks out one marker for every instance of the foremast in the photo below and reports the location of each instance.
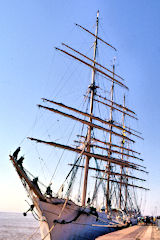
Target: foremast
(92, 93)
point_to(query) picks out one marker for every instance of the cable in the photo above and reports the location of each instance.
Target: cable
(33, 234)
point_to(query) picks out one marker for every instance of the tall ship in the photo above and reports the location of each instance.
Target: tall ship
(99, 193)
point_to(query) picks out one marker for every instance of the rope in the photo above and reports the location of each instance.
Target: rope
(74, 164)
(72, 179)
(61, 155)
(80, 183)
(64, 205)
(64, 149)
(49, 231)
(33, 234)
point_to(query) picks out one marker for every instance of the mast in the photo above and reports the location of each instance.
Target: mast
(122, 145)
(110, 141)
(126, 190)
(92, 91)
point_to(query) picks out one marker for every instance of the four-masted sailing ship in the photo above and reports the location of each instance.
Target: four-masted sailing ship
(103, 148)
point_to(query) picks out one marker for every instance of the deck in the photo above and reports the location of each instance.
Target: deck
(134, 233)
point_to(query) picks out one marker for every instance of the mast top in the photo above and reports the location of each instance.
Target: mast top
(97, 13)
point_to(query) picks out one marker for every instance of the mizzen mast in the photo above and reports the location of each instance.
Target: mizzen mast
(92, 92)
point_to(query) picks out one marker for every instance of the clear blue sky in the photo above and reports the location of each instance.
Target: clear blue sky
(30, 67)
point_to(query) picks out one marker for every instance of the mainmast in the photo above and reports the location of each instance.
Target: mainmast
(92, 91)
(110, 141)
(122, 145)
(126, 190)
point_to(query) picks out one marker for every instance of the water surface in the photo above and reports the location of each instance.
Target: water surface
(14, 226)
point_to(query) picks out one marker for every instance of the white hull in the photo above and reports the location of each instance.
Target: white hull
(74, 223)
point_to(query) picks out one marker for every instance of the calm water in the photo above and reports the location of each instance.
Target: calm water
(14, 226)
